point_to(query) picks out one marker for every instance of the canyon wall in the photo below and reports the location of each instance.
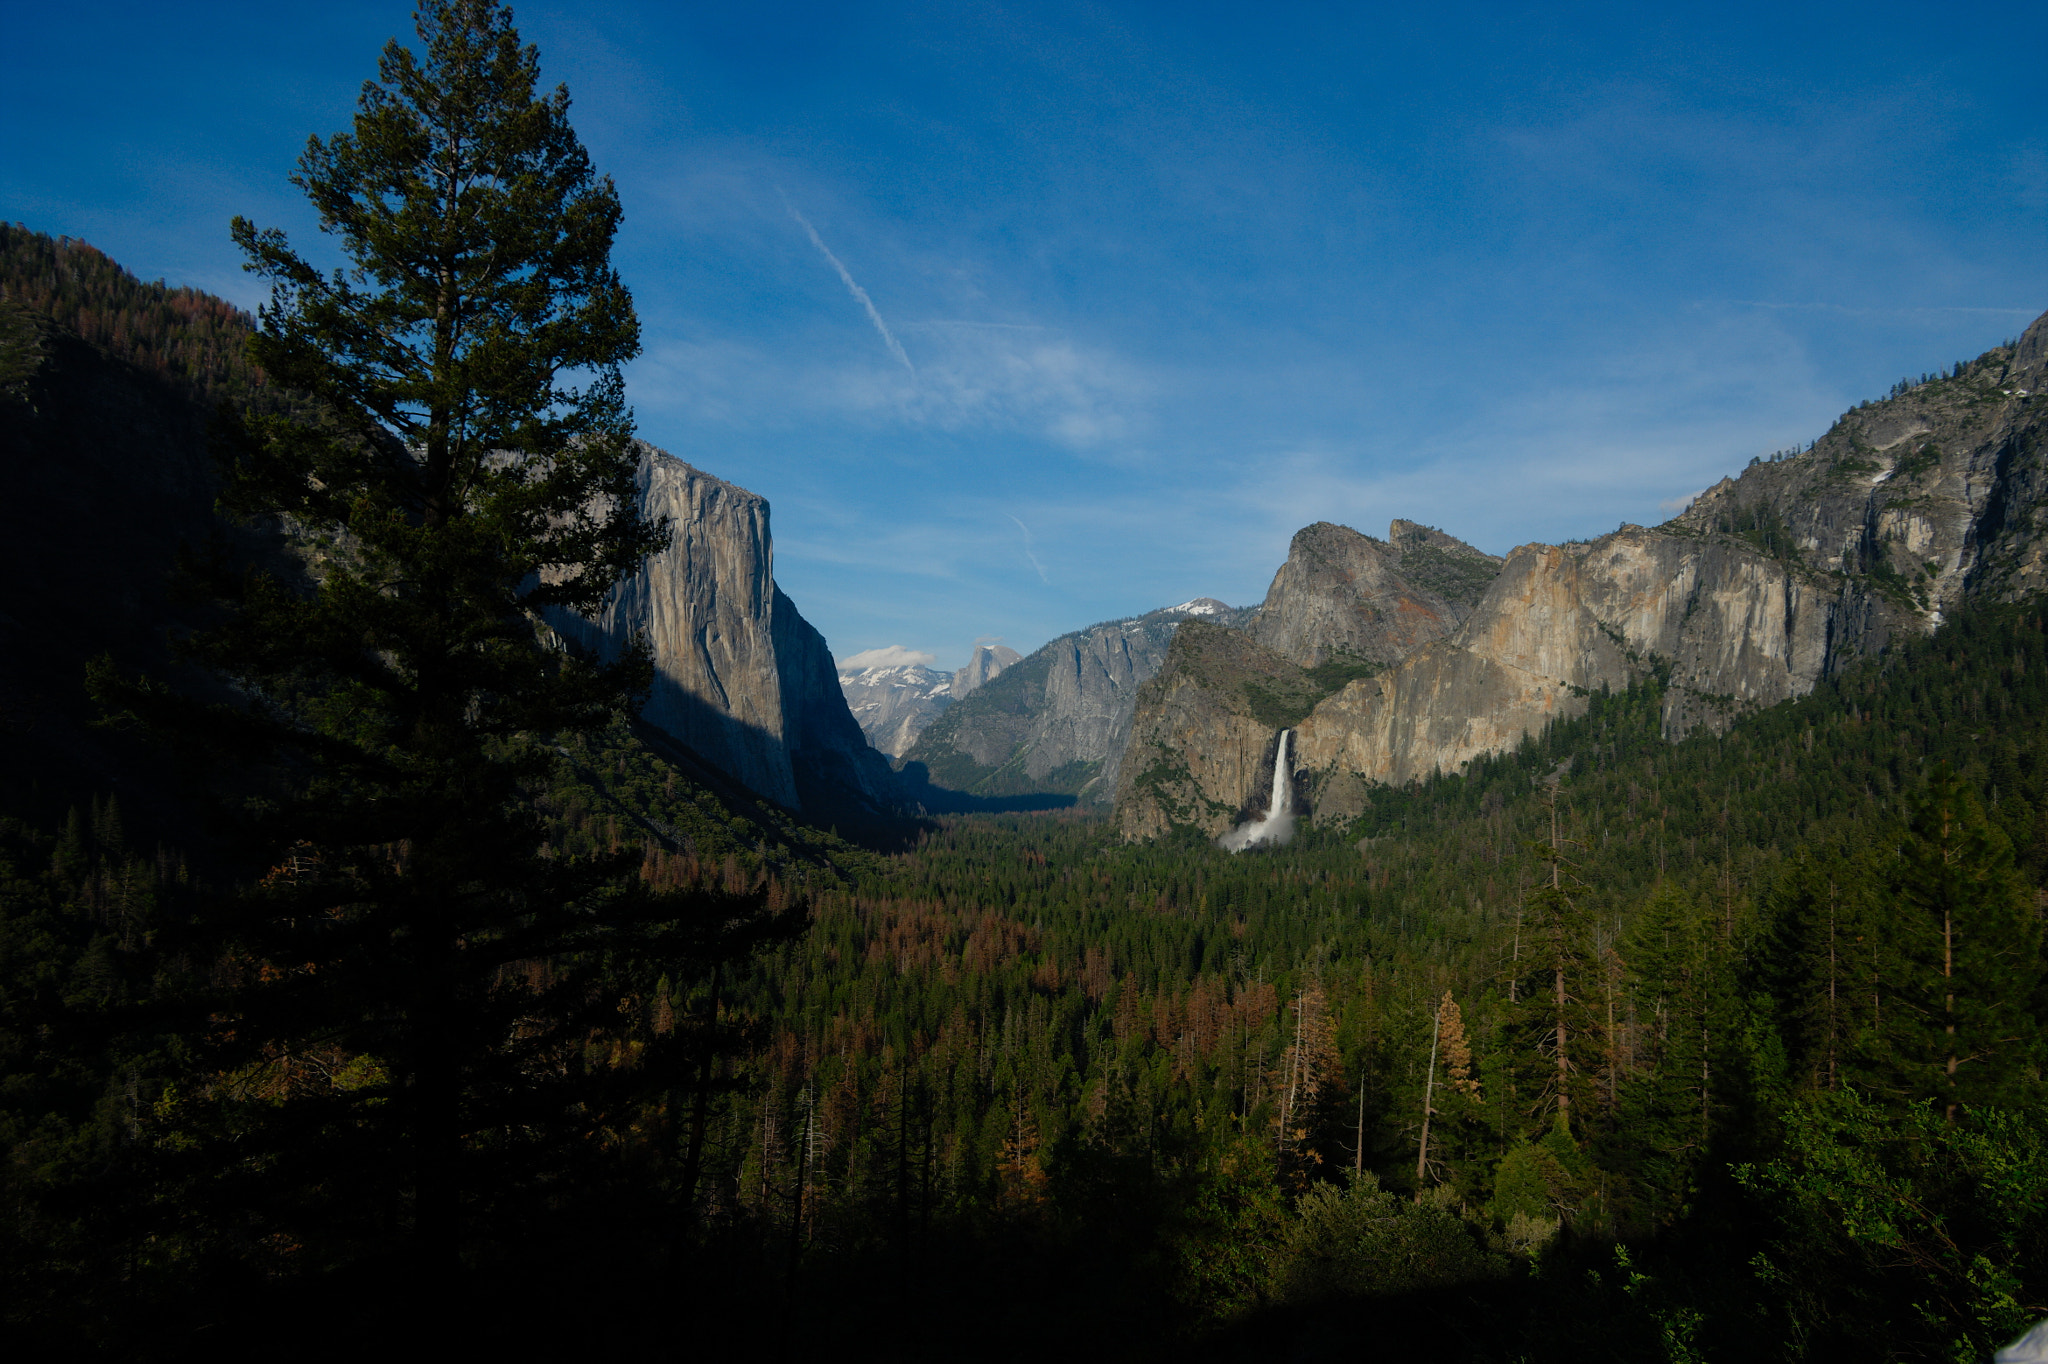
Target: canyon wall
(1766, 583)
(741, 678)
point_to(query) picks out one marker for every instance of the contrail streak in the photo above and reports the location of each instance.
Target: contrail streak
(1027, 551)
(846, 278)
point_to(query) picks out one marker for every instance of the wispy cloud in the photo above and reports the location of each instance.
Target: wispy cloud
(888, 656)
(1028, 552)
(1010, 379)
(860, 295)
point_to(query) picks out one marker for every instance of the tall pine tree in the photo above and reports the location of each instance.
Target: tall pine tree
(409, 1007)
(1971, 942)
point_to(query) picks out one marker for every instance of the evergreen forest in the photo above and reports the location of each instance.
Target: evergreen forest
(1610, 1048)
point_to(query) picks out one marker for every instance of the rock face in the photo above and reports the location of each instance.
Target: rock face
(1200, 739)
(1059, 720)
(982, 666)
(1767, 583)
(740, 677)
(1343, 595)
(894, 704)
(106, 469)
(1740, 630)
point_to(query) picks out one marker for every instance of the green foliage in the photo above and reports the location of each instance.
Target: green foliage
(1138, 1001)
(1155, 1090)
(1922, 460)
(1762, 525)
(1895, 1231)
(1284, 702)
(1970, 949)
(1360, 1240)
(1540, 1182)
(84, 1062)
(1453, 576)
(1230, 1234)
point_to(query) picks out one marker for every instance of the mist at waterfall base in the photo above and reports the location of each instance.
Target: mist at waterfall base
(1276, 826)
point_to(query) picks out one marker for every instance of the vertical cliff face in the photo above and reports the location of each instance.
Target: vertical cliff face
(1767, 583)
(1342, 606)
(830, 759)
(740, 677)
(1934, 494)
(1201, 755)
(1737, 629)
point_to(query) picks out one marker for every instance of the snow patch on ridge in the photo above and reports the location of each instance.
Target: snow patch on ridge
(888, 656)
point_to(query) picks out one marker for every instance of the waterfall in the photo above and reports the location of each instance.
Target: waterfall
(1276, 826)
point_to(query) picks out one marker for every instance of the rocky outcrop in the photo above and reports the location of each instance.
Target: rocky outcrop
(1737, 629)
(830, 759)
(1203, 755)
(1935, 494)
(1765, 584)
(107, 469)
(1058, 721)
(1345, 596)
(1343, 606)
(741, 678)
(983, 666)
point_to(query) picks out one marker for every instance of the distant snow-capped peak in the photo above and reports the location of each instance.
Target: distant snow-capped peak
(897, 674)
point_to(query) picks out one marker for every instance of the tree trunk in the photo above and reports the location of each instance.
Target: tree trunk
(700, 1106)
(1428, 1096)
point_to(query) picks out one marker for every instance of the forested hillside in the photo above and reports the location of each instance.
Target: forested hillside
(191, 338)
(1699, 999)
(1173, 1098)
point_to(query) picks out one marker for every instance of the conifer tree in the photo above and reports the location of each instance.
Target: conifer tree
(413, 988)
(1824, 943)
(1972, 945)
(1682, 1004)
(1556, 967)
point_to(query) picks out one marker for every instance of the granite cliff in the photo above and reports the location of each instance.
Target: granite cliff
(983, 665)
(741, 679)
(1768, 582)
(1346, 596)
(1343, 607)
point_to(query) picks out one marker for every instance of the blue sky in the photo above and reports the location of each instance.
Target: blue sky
(1148, 287)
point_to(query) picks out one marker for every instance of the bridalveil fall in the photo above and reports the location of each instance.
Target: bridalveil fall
(1276, 826)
